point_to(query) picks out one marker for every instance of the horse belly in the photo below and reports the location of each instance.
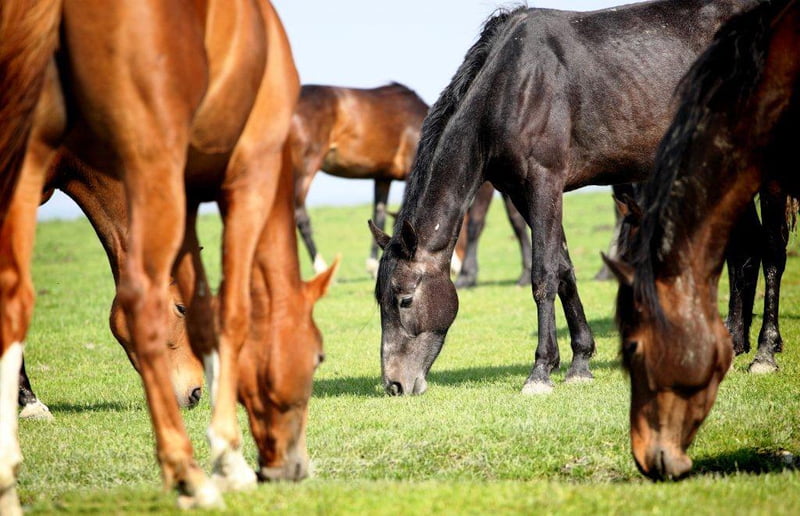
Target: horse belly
(354, 163)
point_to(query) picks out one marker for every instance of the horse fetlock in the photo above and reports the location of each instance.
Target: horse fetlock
(579, 372)
(230, 472)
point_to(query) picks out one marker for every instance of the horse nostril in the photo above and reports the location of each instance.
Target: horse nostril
(194, 397)
(394, 389)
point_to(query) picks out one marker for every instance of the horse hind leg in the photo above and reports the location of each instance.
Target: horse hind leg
(476, 220)
(776, 233)
(32, 407)
(520, 228)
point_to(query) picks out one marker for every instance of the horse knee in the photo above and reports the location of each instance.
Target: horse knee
(17, 299)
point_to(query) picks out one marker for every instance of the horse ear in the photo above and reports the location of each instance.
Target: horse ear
(381, 238)
(408, 239)
(623, 271)
(319, 284)
(628, 208)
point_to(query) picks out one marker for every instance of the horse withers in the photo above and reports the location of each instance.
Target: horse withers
(545, 101)
(734, 133)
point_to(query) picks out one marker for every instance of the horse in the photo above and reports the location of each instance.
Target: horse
(752, 243)
(208, 90)
(357, 134)
(102, 199)
(544, 102)
(733, 135)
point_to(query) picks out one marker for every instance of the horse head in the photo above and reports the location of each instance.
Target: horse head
(676, 353)
(186, 370)
(418, 304)
(276, 369)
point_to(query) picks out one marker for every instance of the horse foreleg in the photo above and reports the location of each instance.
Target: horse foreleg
(244, 212)
(776, 235)
(379, 217)
(520, 228)
(582, 341)
(16, 309)
(743, 256)
(476, 220)
(544, 216)
(31, 407)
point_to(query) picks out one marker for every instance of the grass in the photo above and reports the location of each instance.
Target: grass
(471, 445)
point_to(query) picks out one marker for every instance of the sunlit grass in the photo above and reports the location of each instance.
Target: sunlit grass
(473, 444)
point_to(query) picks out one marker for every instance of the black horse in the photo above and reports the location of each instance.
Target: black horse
(545, 101)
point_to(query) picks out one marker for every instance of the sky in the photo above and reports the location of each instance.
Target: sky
(367, 43)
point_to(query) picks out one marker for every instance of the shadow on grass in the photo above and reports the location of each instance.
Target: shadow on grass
(370, 386)
(746, 460)
(100, 406)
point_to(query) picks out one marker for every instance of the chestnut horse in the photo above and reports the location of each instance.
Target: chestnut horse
(734, 133)
(185, 102)
(546, 101)
(102, 199)
(356, 134)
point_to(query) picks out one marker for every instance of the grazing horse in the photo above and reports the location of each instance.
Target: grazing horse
(356, 134)
(184, 102)
(545, 101)
(734, 134)
(102, 199)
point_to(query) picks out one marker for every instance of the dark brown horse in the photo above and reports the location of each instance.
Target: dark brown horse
(185, 102)
(356, 134)
(545, 101)
(733, 135)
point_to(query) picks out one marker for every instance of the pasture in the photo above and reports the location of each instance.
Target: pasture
(471, 445)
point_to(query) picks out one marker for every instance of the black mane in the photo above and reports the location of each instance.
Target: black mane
(713, 91)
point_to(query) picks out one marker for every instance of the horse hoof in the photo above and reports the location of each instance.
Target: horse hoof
(582, 377)
(372, 267)
(537, 388)
(762, 367)
(231, 472)
(37, 410)
(207, 496)
(319, 264)
(9, 502)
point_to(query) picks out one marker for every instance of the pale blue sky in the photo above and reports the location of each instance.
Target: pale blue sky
(366, 43)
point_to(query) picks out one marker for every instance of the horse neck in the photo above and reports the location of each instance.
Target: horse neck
(436, 201)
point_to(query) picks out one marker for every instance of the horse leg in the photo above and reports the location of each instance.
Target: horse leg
(16, 300)
(776, 233)
(521, 231)
(743, 256)
(544, 198)
(581, 338)
(303, 221)
(31, 407)
(476, 220)
(244, 212)
(379, 217)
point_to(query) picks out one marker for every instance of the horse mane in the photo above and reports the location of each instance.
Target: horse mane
(448, 103)
(715, 89)
(29, 39)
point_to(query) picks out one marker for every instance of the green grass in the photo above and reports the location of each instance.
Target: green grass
(472, 444)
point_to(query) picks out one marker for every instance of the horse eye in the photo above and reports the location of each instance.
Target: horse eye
(629, 348)
(405, 301)
(181, 309)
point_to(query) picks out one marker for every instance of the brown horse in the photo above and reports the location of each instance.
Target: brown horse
(356, 134)
(185, 102)
(734, 133)
(102, 199)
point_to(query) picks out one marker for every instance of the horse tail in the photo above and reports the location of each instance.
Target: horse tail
(451, 97)
(28, 38)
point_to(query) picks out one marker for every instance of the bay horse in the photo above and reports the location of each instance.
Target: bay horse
(102, 199)
(356, 134)
(184, 102)
(734, 134)
(545, 101)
